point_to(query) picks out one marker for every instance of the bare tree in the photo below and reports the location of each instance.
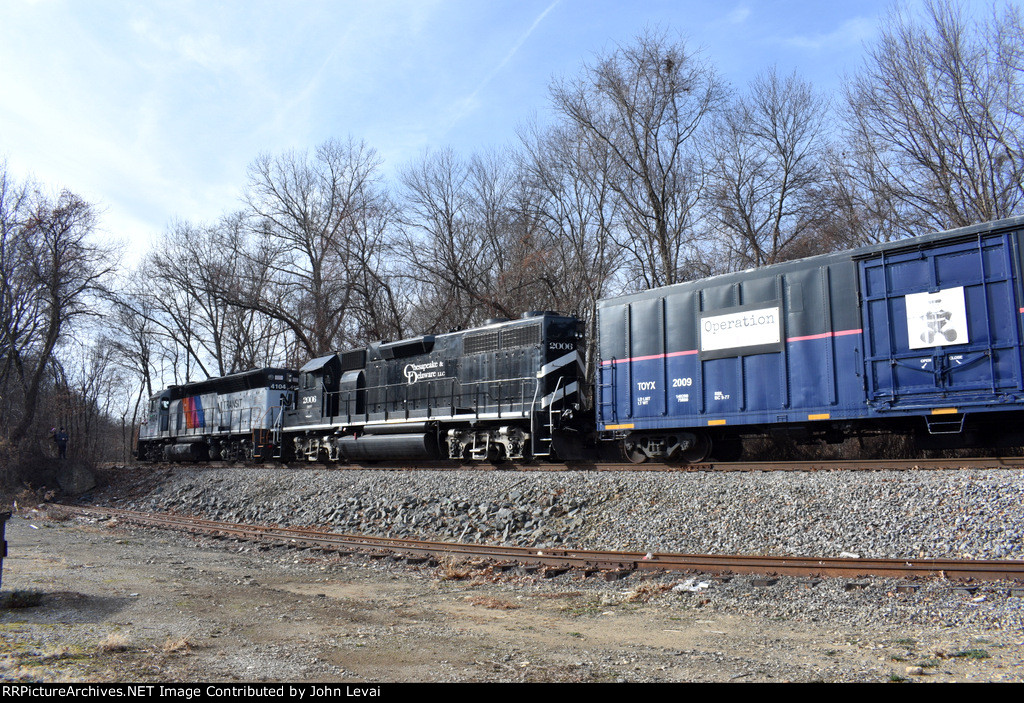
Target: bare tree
(90, 387)
(474, 246)
(935, 124)
(439, 246)
(51, 272)
(133, 344)
(192, 279)
(578, 212)
(768, 166)
(305, 216)
(132, 333)
(645, 104)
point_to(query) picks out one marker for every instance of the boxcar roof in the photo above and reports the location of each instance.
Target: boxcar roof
(899, 245)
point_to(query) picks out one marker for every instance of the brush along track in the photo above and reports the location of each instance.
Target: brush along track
(815, 465)
(588, 560)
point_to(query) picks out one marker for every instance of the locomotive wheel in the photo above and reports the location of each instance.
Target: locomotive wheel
(700, 450)
(632, 453)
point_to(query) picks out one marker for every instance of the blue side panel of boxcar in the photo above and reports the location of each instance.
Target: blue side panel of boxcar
(682, 391)
(758, 347)
(924, 326)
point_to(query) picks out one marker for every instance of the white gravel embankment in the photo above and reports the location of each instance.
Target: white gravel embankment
(883, 514)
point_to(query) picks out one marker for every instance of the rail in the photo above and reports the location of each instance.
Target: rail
(585, 559)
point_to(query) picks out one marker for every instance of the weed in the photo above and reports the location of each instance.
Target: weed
(114, 642)
(558, 594)
(906, 642)
(179, 645)
(582, 610)
(896, 678)
(971, 654)
(451, 570)
(58, 513)
(645, 591)
(61, 653)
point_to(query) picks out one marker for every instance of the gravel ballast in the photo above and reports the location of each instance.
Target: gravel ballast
(884, 514)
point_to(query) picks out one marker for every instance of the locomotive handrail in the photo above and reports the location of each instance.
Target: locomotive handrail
(214, 421)
(481, 390)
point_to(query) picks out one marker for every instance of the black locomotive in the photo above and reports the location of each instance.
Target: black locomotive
(511, 389)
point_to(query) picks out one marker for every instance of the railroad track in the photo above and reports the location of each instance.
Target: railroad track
(815, 465)
(613, 563)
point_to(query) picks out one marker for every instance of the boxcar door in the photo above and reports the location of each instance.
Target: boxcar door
(941, 323)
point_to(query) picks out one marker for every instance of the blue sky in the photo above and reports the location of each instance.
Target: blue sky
(153, 110)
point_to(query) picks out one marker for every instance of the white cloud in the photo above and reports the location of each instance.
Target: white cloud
(739, 15)
(851, 33)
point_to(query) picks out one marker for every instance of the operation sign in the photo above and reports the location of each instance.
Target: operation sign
(740, 329)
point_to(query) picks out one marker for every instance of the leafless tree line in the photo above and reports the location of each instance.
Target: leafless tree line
(52, 275)
(652, 171)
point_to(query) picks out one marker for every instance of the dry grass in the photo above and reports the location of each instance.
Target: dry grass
(180, 644)
(58, 513)
(114, 642)
(452, 570)
(28, 497)
(492, 603)
(645, 591)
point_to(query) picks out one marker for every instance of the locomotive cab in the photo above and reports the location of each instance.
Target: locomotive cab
(156, 426)
(317, 395)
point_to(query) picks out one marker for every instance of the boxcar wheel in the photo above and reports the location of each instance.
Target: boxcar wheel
(632, 453)
(700, 450)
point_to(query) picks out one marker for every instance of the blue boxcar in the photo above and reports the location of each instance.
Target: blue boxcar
(921, 336)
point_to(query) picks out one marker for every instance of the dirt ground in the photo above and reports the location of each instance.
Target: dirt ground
(109, 603)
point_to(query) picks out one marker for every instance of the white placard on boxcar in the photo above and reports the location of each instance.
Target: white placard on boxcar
(936, 319)
(748, 328)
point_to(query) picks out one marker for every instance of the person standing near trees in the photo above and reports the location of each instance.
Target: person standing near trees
(60, 438)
